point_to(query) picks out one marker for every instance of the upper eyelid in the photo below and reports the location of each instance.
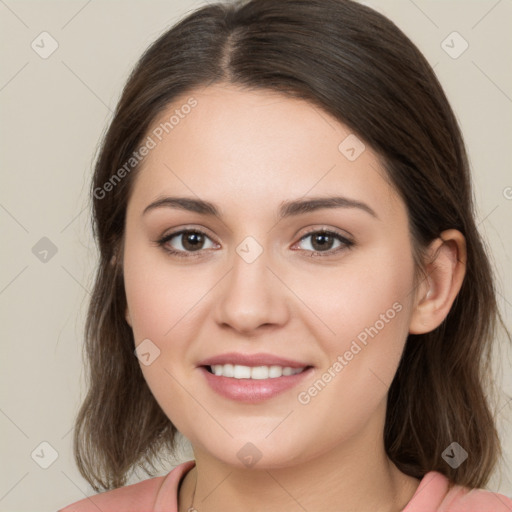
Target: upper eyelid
(181, 231)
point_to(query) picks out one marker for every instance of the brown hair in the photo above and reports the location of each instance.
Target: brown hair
(359, 67)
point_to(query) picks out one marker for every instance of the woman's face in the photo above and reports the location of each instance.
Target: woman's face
(258, 284)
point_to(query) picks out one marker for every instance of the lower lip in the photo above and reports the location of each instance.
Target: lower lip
(252, 390)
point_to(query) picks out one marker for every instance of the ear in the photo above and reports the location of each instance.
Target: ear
(445, 269)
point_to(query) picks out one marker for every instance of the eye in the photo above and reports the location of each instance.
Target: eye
(185, 241)
(322, 242)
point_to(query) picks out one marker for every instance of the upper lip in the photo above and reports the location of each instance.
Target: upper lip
(260, 359)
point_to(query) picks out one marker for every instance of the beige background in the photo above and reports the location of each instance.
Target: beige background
(53, 113)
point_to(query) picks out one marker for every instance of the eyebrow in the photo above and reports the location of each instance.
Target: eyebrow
(287, 208)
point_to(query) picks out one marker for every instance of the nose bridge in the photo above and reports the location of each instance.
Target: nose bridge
(251, 295)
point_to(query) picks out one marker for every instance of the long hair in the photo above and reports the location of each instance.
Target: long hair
(356, 65)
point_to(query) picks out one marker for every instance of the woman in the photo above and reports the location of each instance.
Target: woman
(290, 276)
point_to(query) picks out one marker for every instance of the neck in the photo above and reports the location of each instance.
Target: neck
(354, 476)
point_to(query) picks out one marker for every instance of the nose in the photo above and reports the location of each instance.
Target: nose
(252, 296)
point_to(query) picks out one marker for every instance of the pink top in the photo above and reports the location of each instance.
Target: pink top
(160, 494)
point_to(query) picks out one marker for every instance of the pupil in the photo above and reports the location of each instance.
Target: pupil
(193, 241)
(322, 240)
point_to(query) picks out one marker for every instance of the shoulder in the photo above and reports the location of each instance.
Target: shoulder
(434, 494)
(140, 497)
(462, 499)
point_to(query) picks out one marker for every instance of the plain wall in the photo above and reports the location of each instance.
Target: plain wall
(53, 113)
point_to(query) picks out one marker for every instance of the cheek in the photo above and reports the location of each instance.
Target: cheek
(367, 290)
(362, 313)
(160, 302)
(158, 294)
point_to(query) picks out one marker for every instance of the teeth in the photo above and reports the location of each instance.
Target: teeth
(253, 372)
(240, 372)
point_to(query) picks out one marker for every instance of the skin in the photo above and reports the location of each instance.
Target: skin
(247, 152)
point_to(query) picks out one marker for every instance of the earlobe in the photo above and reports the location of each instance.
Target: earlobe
(445, 270)
(128, 317)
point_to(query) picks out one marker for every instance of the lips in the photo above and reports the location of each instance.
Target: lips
(252, 360)
(252, 378)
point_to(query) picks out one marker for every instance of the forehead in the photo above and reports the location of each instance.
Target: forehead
(256, 148)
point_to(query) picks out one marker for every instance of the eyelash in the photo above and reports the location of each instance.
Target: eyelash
(346, 243)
